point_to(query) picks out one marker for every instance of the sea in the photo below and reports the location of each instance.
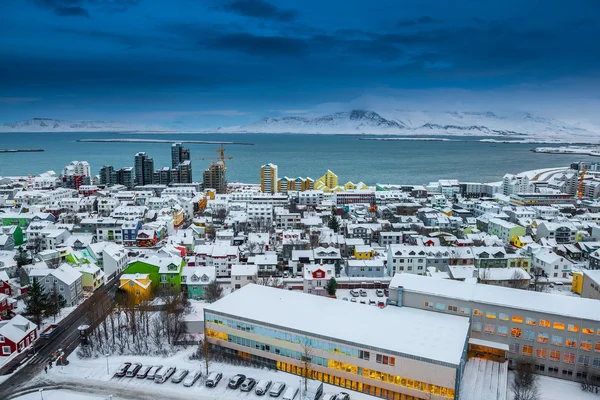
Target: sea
(370, 161)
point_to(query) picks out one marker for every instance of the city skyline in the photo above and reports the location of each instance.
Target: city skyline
(200, 65)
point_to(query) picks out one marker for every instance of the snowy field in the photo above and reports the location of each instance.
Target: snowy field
(91, 376)
(341, 293)
(557, 389)
(62, 395)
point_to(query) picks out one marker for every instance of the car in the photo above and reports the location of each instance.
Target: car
(290, 393)
(180, 375)
(345, 298)
(354, 293)
(262, 387)
(363, 301)
(353, 300)
(276, 389)
(329, 396)
(192, 378)
(143, 372)
(123, 369)
(372, 302)
(153, 371)
(164, 375)
(381, 304)
(363, 293)
(236, 381)
(248, 385)
(213, 379)
(133, 370)
(379, 293)
(343, 396)
(386, 292)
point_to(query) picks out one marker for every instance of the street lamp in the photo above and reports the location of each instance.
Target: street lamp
(42, 393)
(107, 373)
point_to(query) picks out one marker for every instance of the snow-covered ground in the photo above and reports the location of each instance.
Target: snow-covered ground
(589, 151)
(484, 379)
(345, 293)
(93, 373)
(62, 395)
(556, 389)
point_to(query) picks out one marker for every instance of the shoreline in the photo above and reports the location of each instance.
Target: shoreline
(159, 141)
(21, 150)
(594, 152)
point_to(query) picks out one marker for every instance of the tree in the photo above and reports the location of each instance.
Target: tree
(56, 302)
(205, 347)
(36, 302)
(331, 286)
(21, 257)
(333, 223)
(306, 360)
(516, 280)
(525, 383)
(213, 292)
(270, 281)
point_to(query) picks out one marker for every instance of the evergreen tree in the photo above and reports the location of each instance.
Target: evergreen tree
(56, 302)
(333, 222)
(36, 302)
(21, 257)
(331, 286)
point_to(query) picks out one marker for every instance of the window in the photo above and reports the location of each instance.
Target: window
(428, 304)
(440, 306)
(557, 340)
(569, 358)
(545, 323)
(490, 315)
(540, 353)
(465, 310)
(515, 332)
(364, 355)
(583, 360)
(587, 331)
(502, 330)
(6, 350)
(1, 339)
(476, 326)
(516, 319)
(490, 328)
(131, 284)
(527, 350)
(503, 317)
(542, 337)
(571, 342)
(378, 358)
(597, 347)
(478, 313)
(530, 336)
(555, 355)
(596, 363)
(573, 328)
(530, 321)
(452, 308)
(514, 347)
(559, 326)
(585, 345)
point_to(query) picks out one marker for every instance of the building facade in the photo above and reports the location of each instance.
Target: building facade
(268, 178)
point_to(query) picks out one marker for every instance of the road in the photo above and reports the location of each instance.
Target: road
(67, 340)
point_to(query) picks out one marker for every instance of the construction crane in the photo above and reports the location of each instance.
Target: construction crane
(581, 184)
(222, 157)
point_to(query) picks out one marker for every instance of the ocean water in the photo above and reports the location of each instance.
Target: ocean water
(405, 162)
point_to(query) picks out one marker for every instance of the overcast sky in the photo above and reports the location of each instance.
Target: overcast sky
(204, 63)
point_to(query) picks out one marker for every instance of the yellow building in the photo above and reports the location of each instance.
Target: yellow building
(285, 184)
(577, 283)
(138, 286)
(522, 241)
(349, 186)
(211, 193)
(202, 204)
(364, 252)
(268, 178)
(329, 180)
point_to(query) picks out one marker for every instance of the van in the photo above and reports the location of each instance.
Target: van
(133, 370)
(290, 393)
(262, 387)
(163, 376)
(276, 389)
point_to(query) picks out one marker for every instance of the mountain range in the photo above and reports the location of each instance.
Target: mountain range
(56, 125)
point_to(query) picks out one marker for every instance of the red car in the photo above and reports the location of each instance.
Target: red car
(123, 369)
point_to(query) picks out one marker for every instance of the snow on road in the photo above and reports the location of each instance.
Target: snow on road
(62, 395)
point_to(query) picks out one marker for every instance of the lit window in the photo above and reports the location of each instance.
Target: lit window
(559, 326)
(503, 317)
(540, 353)
(587, 331)
(477, 312)
(530, 321)
(585, 345)
(569, 358)
(542, 337)
(515, 332)
(490, 315)
(516, 319)
(554, 355)
(597, 347)
(527, 350)
(545, 323)
(573, 328)
(571, 342)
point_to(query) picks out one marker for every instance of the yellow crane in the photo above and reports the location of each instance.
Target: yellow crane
(222, 157)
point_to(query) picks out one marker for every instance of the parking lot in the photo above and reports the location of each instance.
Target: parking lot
(371, 296)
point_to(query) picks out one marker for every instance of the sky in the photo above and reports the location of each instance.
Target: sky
(207, 63)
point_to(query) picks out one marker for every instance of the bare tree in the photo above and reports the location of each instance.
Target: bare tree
(252, 248)
(306, 361)
(316, 238)
(213, 292)
(484, 275)
(525, 383)
(516, 279)
(206, 352)
(270, 281)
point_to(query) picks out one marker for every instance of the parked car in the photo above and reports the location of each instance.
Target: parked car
(236, 381)
(329, 396)
(345, 298)
(180, 375)
(123, 369)
(163, 376)
(372, 302)
(363, 301)
(276, 389)
(381, 304)
(379, 293)
(192, 378)
(343, 396)
(133, 370)
(143, 372)
(353, 300)
(290, 393)
(354, 293)
(153, 371)
(213, 379)
(262, 387)
(386, 292)
(363, 293)
(248, 385)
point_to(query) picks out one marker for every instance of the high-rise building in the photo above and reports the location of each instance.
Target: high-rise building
(184, 172)
(162, 176)
(144, 169)
(124, 176)
(214, 178)
(268, 178)
(181, 166)
(108, 175)
(179, 154)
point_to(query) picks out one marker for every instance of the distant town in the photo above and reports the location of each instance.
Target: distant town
(120, 277)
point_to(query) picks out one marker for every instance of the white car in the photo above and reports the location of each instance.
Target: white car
(179, 376)
(163, 376)
(262, 387)
(329, 396)
(192, 378)
(379, 293)
(354, 293)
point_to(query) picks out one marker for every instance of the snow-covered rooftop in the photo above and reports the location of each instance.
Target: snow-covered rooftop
(416, 333)
(501, 296)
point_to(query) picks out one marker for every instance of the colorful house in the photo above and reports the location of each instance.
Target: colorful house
(522, 241)
(92, 277)
(16, 232)
(327, 181)
(164, 270)
(577, 283)
(16, 335)
(5, 287)
(146, 238)
(195, 279)
(363, 252)
(138, 286)
(7, 306)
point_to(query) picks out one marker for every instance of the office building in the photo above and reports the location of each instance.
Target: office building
(268, 178)
(420, 356)
(144, 169)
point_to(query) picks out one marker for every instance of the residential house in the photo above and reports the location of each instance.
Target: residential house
(16, 335)
(507, 231)
(15, 231)
(241, 275)
(66, 281)
(365, 268)
(552, 264)
(92, 277)
(7, 305)
(562, 232)
(316, 278)
(146, 238)
(266, 263)
(164, 270)
(364, 252)
(5, 287)
(195, 279)
(220, 257)
(7, 242)
(516, 278)
(138, 286)
(130, 230)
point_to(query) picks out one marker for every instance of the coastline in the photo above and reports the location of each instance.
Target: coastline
(588, 151)
(21, 150)
(159, 141)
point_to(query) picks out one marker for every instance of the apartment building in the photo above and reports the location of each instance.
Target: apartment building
(507, 231)
(561, 334)
(423, 358)
(268, 178)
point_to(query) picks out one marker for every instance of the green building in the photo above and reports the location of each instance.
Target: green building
(164, 270)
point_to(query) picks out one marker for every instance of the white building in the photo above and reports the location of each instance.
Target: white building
(241, 275)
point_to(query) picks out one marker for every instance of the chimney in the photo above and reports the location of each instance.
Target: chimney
(400, 296)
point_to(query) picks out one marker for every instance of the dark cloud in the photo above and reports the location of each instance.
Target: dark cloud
(425, 20)
(64, 8)
(259, 9)
(114, 6)
(75, 11)
(258, 45)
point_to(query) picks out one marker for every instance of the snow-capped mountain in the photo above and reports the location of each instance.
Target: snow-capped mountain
(402, 122)
(55, 125)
